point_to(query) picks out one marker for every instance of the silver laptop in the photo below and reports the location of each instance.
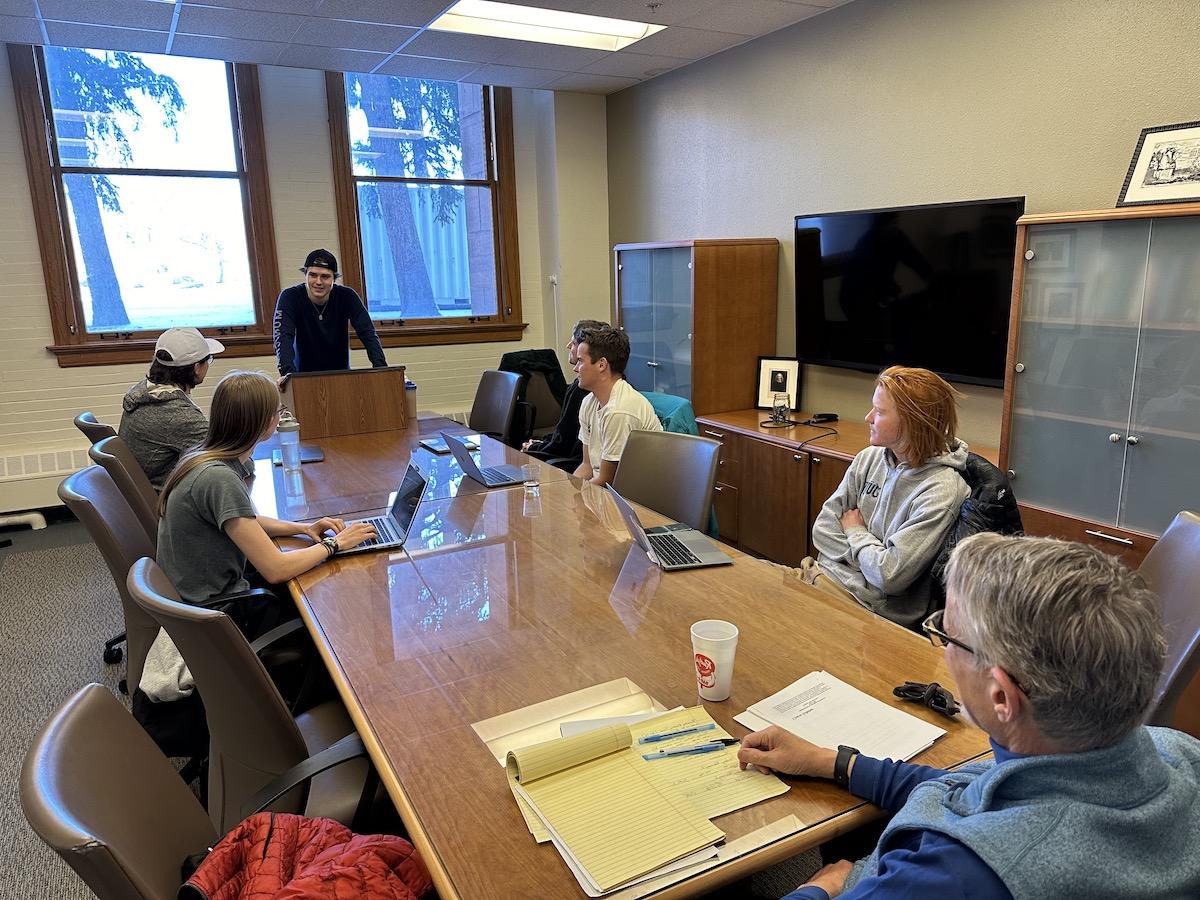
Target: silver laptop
(492, 476)
(671, 547)
(392, 530)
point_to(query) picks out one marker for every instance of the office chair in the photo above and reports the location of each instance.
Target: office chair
(670, 473)
(126, 472)
(93, 430)
(104, 798)
(542, 409)
(94, 498)
(1172, 569)
(495, 405)
(255, 740)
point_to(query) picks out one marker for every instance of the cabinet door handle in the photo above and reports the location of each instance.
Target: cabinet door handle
(652, 365)
(1109, 537)
(815, 460)
(718, 488)
(715, 434)
(1132, 440)
(798, 457)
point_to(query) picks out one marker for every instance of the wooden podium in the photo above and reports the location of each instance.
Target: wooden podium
(348, 401)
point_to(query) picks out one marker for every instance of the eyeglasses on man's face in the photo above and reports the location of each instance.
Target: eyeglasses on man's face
(937, 635)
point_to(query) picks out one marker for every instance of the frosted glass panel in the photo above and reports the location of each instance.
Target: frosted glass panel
(1173, 281)
(672, 276)
(637, 316)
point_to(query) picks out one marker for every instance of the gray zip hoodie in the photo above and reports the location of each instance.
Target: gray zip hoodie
(908, 512)
(160, 423)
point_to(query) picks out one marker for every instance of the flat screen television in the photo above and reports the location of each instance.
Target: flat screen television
(923, 286)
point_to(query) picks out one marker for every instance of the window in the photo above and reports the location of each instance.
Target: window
(144, 200)
(426, 222)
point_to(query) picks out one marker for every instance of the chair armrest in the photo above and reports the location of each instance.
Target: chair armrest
(237, 597)
(348, 748)
(279, 631)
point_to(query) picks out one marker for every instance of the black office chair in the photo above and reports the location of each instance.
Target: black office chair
(670, 473)
(495, 405)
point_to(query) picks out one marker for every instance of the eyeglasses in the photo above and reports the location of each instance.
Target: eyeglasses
(938, 637)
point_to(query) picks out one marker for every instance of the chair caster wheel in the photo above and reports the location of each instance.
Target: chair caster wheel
(113, 655)
(123, 687)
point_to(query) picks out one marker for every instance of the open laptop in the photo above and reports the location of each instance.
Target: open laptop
(673, 546)
(492, 476)
(392, 529)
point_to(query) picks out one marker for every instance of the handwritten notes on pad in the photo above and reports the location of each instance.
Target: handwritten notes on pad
(829, 712)
(612, 824)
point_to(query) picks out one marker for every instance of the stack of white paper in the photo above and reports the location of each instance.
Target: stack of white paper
(829, 712)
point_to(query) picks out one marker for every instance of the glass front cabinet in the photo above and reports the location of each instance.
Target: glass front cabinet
(1103, 381)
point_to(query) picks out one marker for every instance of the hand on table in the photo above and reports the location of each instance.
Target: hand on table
(281, 382)
(525, 446)
(852, 518)
(776, 750)
(317, 529)
(832, 878)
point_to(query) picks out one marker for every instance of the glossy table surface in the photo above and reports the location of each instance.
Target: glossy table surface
(504, 598)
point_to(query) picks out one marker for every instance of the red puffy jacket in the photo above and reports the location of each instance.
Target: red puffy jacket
(281, 856)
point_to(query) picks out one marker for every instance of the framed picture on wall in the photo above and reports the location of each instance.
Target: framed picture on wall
(1165, 167)
(778, 375)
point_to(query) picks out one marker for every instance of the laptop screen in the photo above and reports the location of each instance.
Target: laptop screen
(408, 498)
(632, 522)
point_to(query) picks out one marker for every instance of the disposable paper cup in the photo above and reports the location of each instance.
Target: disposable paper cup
(713, 644)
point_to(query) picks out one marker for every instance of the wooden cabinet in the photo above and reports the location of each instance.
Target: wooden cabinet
(707, 300)
(825, 473)
(775, 492)
(726, 489)
(1101, 424)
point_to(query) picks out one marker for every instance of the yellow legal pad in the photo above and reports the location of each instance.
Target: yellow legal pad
(616, 823)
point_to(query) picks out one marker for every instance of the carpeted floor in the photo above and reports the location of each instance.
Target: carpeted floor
(56, 601)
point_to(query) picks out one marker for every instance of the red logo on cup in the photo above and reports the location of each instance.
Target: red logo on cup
(706, 671)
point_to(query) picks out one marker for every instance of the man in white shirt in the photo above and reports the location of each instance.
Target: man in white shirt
(613, 409)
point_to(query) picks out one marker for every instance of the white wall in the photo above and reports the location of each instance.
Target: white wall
(38, 399)
(897, 102)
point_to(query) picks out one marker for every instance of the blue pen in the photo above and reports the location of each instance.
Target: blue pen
(708, 747)
(667, 735)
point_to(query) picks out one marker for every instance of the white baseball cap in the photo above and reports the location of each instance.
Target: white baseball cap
(184, 347)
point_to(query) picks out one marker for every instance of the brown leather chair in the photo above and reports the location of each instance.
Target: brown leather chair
(495, 405)
(93, 430)
(254, 738)
(1172, 569)
(115, 456)
(101, 795)
(670, 473)
(94, 498)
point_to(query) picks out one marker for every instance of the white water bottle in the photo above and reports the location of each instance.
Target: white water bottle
(289, 441)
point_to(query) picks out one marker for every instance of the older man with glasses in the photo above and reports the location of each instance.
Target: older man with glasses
(1056, 649)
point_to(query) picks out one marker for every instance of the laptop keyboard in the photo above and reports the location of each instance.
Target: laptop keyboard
(383, 527)
(494, 475)
(671, 550)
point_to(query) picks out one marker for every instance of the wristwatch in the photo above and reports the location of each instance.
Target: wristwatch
(841, 777)
(330, 543)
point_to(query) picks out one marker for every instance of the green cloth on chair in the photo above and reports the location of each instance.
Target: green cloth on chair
(676, 414)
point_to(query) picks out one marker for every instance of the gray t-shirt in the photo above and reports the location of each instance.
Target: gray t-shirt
(193, 549)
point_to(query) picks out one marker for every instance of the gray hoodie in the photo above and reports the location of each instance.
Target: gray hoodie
(160, 423)
(908, 512)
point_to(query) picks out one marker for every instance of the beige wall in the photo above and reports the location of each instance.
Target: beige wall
(894, 102)
(38, 399)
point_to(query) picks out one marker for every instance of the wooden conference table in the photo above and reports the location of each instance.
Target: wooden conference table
(505, 600)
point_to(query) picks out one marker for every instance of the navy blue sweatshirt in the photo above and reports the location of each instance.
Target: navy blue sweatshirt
(310, 341)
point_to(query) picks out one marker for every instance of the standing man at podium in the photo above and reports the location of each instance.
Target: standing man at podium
(311, 318)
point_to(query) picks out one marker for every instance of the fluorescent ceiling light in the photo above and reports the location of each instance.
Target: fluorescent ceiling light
(546, 26)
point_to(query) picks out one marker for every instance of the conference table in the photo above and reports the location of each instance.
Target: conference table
(504, 598)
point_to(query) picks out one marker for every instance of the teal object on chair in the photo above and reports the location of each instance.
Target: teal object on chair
(676, 414)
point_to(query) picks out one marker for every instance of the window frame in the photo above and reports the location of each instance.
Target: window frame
(73, 344)
(506, 324)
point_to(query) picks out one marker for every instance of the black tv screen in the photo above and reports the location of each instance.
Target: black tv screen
(922, 286)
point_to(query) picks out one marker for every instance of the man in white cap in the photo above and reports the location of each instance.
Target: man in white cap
(311, 319)
(159, 420)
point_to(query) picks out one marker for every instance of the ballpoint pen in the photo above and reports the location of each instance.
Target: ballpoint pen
(707, 747)
(667, 735)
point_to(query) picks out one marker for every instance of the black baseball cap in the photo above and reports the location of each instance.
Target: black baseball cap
(322, 258)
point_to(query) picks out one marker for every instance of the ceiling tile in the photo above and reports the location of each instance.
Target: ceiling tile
(687, 43)
(299, 7)
(116, 13)
(426, 67)
(591, 84)
(752, 17)
(97, 37)
(514, 76)
(625, 64)
(416, 13)
(352, 35)
(17, 30)
(668, 12)
(231, 49)
(451, 45)
(20, 8)
(236, 23)
(303, 56)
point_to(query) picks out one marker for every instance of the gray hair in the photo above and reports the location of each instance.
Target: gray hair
(1081, 633)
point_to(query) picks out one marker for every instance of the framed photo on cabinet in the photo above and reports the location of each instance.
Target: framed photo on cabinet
(778, 375)
(1165, 167)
